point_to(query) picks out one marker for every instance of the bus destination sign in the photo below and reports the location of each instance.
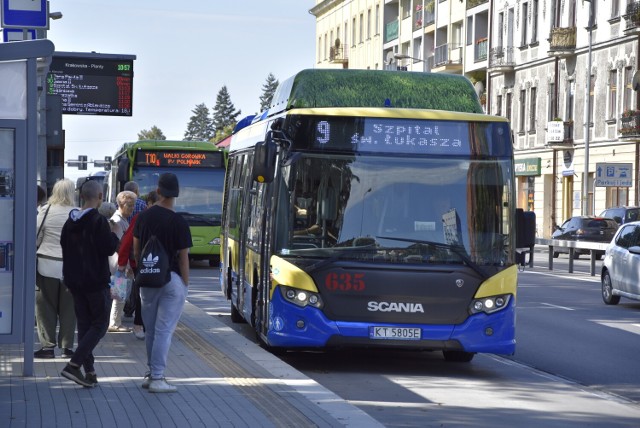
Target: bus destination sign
(177, 158)
(92, 86)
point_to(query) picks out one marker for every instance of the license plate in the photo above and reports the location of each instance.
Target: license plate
(399, 333)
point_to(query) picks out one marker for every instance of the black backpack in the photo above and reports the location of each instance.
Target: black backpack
(155, 267)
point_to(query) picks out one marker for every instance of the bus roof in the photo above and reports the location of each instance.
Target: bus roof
(314, 88)
(168, 144)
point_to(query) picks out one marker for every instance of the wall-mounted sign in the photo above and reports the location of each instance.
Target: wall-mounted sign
(94, 84)
(555, 132)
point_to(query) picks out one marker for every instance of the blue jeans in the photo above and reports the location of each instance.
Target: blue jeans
(161, 310)
(92, 316)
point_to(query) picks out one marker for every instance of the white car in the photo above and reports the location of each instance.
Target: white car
(621, 266)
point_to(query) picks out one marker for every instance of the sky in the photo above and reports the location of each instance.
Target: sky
(186, 52)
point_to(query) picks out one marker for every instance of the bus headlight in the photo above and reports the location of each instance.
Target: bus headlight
(301, 297)
(215, 241)
(489, 304)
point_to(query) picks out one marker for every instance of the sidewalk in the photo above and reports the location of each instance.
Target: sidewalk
(223, 380)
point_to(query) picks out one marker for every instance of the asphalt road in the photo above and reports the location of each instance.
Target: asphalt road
(575, 364)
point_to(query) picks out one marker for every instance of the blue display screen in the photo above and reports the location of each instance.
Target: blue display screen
(402, 136)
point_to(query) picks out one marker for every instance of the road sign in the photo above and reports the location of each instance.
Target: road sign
(25, 14)
(614, 174)
(17, 35)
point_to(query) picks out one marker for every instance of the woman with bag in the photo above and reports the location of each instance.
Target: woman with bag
(54, 303)
(126, 201)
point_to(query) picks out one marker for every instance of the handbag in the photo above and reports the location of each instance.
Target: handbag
(120, 286)
(40, 228)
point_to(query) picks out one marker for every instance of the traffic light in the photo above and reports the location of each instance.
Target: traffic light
(107, 163)
(82, 162)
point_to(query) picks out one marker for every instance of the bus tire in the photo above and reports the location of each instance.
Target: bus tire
(236, 316)
(458, 356)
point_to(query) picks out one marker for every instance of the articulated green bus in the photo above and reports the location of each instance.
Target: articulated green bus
(200, 168)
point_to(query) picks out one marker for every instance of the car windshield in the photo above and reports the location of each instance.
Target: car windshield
(396, 210)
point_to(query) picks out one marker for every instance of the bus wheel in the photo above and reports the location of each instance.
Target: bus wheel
(458, 356)
(236, 316)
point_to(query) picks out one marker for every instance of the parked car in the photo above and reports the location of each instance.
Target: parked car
(621, 267)
(585, 228)
(622, 215)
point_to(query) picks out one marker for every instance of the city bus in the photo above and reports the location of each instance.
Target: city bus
(200, 168)
(371, 208)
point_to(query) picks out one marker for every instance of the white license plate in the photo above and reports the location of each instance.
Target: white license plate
(399, 333)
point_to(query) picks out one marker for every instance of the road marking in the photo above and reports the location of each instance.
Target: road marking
(629, 328)
(569, 276)
(557, 307)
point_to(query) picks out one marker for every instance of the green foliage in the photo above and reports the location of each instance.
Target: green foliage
(224, 112)
(151, 134)
(223, 133)
(268, 89)
(200, 126)
(371, 88)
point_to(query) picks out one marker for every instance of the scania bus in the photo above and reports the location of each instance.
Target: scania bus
(373, 209)
(200, 167)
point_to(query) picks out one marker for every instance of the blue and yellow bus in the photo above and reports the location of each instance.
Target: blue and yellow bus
(373, 209)
(200, 167)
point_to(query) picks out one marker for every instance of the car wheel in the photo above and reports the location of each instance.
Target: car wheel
(607, 290)
(556, 254)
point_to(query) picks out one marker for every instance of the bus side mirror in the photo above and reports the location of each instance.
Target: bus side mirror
(525, 228)
(123, 167)
(264, 160)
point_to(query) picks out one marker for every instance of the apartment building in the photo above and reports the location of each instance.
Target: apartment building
(544, 64)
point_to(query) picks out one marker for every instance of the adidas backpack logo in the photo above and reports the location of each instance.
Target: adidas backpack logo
(156, 266)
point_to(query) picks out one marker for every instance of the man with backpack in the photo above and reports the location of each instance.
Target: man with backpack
(161, 242)
(87, 242)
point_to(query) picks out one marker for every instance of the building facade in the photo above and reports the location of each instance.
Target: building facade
(550, 66)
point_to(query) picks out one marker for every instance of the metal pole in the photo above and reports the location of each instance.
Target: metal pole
(587, 121)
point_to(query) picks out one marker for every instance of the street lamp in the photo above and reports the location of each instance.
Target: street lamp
(403, 56)
(587, 114)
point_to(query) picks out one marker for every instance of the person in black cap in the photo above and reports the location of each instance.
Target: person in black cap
(162, 306)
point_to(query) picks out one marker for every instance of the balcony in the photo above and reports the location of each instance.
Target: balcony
(630, 125)
(473, 3)
(563, 41)
(632, 17)
(480, 51)
(501, 59)
(568, 133)
(391, 31)
(447, 58)
(566, 128)
(338, 55)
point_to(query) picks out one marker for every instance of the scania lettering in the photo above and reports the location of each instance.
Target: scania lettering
(370, 208)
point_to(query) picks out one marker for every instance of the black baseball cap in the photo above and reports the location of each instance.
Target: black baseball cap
(168, 185)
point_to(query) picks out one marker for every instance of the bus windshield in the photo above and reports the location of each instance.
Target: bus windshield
(396, 209)
(200, 191)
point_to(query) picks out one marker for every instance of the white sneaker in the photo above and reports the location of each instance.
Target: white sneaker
(147, 381)
(138, 332)
(161, 385)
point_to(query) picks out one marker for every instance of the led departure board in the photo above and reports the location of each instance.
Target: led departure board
(95, 86)
(178, 158)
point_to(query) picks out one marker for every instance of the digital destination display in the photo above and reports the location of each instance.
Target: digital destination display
(92, 86)
(396, 135)
(177, 158)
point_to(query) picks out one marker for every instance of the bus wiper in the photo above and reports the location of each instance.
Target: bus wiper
(199, 218)
(456, 249)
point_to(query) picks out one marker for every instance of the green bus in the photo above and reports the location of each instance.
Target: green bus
(200, 167)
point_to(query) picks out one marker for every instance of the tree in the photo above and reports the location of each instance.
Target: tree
(200, 127)
(151, 134)
(223, 133)
(224, 112)
(268, 89)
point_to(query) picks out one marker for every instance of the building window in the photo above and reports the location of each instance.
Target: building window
(523, 99)
(534, 21)
(326, 46)
(500, 30)
(377, 23)
(361, 28)
(406, 8)
(532, 110)
(499, 105)
(629, 103)
(571, 90)
(345, 42)
(507, 107)
(525, 23)
(319, 49)
(615, 8)
(613, 93)
(369, 24)
(553, 113)
(353, 33)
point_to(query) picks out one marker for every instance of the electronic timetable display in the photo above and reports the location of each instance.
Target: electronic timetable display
(92, 86)
(178, 158)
